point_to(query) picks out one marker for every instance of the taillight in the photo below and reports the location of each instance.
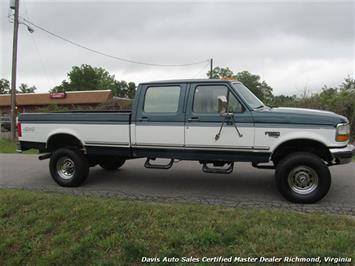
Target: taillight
(19, 129)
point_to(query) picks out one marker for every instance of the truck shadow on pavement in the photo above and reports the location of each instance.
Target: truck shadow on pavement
(187, 180)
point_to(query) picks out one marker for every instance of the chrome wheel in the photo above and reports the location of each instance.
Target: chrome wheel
(65, 168)
(303, 179)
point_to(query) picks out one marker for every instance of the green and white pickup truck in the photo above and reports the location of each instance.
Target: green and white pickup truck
(214, 122)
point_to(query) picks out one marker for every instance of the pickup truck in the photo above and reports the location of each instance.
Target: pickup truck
(214, 122)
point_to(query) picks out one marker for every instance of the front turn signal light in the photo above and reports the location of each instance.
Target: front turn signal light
(342, 138)
(342, 132)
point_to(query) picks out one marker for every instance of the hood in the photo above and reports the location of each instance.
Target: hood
(285, 115)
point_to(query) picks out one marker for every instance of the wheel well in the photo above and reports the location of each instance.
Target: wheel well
(304, 145)
(63, 140)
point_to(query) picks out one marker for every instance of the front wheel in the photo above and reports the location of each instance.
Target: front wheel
(302, 177)
(69, 168)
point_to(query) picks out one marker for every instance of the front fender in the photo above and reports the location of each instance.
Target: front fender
(299, 135)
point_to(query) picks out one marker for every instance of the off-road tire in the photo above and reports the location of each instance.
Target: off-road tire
(79, 165)
(313, 166)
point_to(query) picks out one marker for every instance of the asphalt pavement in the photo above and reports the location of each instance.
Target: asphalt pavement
(184, 182)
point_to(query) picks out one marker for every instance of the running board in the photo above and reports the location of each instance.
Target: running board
(147, 164)
(214, 170)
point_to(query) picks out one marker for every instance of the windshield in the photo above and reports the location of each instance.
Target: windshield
(248, 96)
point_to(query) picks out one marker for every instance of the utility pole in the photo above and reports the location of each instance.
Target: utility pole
(14, 68)
(211, 67)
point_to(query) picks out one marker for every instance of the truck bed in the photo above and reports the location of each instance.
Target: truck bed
(83, 116)
(92, 128)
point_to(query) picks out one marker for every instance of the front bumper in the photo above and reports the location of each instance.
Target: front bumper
(343, 155)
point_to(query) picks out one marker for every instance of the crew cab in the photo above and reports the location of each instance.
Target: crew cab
(214, 122)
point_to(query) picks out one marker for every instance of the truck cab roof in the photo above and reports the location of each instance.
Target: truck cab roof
(173, 81)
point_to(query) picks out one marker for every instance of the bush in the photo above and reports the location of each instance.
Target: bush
(115, 104)
(52, 108)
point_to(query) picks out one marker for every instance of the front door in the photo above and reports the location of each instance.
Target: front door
(204, 121)
(160, 118)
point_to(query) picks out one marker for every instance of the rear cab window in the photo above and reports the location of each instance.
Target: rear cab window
(161, 103)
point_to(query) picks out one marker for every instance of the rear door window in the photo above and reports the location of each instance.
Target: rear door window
(162, 99)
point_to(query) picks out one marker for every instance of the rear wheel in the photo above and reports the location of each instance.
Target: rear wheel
(302, 177)
(69, 168)
(111, 164)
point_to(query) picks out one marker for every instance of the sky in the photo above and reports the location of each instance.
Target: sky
(292, 45)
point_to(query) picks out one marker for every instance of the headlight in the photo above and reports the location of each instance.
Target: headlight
(343, 132)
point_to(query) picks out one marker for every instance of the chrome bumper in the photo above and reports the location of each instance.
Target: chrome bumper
(343, 155)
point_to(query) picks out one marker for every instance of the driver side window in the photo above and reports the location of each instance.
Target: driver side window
(234, 105)
(205, 99)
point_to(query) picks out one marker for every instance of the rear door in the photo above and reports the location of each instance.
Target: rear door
(204, 121)
(160, 118)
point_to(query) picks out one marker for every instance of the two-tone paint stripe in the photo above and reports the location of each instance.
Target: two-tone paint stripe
(202, 147)
(106, 144)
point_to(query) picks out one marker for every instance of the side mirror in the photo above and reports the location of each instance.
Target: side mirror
(222, 104)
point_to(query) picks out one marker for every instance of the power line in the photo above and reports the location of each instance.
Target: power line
(108, 55)
(203, 68)
(44, 69)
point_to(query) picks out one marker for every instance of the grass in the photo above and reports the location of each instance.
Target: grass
(9, 146)
(40, 228)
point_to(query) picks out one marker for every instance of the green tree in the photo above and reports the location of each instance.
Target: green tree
(4, 86)
(260, 88)
(87, 77)
(131, 91)
(266, 92)
(120, 89)
(124, 89)
(348, 84)
(282, 100)
(24, 88)
(221, 73)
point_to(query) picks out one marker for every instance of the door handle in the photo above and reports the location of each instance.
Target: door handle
(143, 119)
(194, 118)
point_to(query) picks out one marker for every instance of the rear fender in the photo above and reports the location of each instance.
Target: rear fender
(66, 131)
